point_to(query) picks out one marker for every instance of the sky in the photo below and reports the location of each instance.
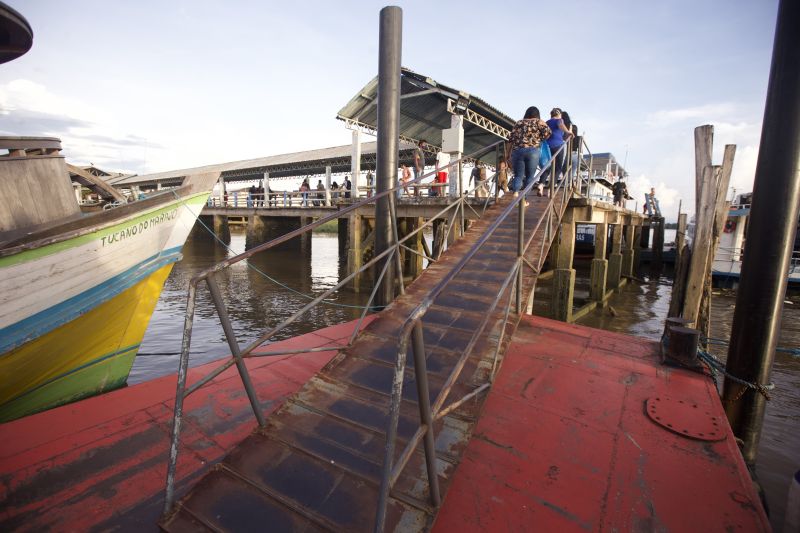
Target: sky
(153, 86)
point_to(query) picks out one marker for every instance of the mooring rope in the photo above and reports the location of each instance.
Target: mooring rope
(264, 274)
(716, 367)
(711, 340)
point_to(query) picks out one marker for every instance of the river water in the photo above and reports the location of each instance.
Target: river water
(257, 302)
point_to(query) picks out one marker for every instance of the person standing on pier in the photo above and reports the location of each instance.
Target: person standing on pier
(620, 191)
(320, 193)
(526, 139)
(419, 163)
(502, 175)
(260, 194)
(370, 182)
(405, 177)
(478, 175)
(251, 194)
(347, 185)
(304, 188)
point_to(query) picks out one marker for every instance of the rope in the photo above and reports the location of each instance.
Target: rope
(265, 275)
(717, 367)
(711, 340)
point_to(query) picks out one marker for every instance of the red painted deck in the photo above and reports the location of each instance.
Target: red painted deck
(101, 463)
(564, 444)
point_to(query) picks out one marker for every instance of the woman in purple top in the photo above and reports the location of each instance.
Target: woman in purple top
(560, 134)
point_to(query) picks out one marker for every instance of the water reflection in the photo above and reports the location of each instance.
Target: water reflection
(260, 294)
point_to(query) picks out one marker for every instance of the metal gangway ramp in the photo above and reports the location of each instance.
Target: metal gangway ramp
(372, 441)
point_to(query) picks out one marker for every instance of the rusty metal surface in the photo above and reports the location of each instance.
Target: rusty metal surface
(564, 444)
(686, 417)
(318, 462)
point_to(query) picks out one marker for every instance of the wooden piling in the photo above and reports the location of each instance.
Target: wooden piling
(221, 228)
(615, 257)
(627, 252)
(564, 274)
(599, 269)
(354, 252)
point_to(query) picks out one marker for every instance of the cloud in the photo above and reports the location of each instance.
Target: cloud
(706, 114)
(667, 196)
(30, 109)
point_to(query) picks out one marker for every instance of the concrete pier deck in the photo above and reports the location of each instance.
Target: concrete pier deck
(563, 443)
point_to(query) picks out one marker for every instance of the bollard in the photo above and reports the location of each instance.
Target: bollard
(679, 343)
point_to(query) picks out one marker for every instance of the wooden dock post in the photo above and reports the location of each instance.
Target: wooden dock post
(564, 274)
(354, 251)
(680, 237)
(599, 270)
(413, 262)
(637, 247)
(256, 232)
(221, 228)
(305, 238)
(627, 252)
(657, 224)
(344, 224)
(615, 257)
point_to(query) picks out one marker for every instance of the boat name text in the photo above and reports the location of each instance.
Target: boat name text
(141, 227)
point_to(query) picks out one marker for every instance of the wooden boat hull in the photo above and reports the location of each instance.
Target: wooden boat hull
(73, 312)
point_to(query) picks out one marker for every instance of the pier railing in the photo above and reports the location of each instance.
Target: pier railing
(454, 214)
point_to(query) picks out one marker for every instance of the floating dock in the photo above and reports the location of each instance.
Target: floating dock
(564, 441)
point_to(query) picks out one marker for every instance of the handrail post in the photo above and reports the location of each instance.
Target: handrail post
(424, 400)
(552, 175)
(520, 251)
(396, 237)
(391, 435)
(230, 336)
(177, 417)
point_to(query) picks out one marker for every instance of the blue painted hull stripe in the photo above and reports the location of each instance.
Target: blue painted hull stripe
(49, 319)
(93, 362)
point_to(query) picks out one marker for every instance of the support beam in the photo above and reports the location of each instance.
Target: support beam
(563, 292)
(354, 252)
(221, 228)
(453, 144)
(627, 252)
(355, 164)
(390, 39)
(599, 269)
(615, 258)
(328, 185)
(637, 247)
(256, 232)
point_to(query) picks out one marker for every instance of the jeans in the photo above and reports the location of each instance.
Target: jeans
(524, 162)
(560, 160)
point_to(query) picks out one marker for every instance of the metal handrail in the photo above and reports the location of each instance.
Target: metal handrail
(238, 355)
(412, 328)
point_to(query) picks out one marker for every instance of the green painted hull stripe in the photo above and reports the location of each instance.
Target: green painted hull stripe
(29, 255)
(93, 362)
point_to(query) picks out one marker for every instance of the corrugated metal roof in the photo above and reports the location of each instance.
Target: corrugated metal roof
(295, 164)
(423, 112)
